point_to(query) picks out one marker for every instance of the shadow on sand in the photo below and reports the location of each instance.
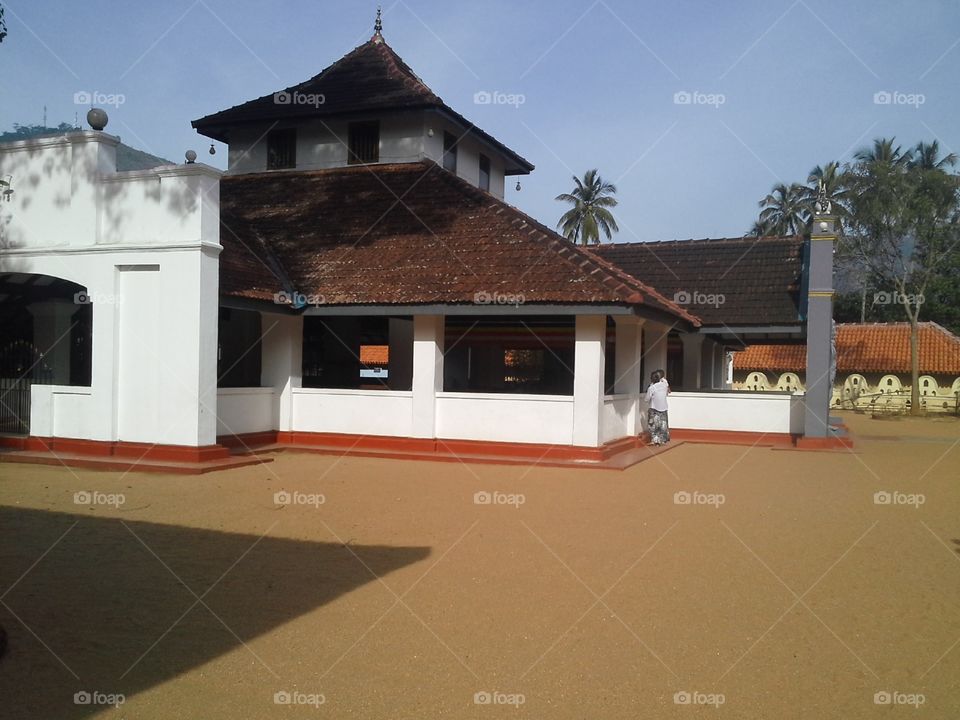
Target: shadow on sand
(99, 599)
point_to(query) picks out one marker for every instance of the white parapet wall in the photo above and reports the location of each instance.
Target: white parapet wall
(759, 412)
(546, 419)
(354, 412)
(615, 417)
(245, 410)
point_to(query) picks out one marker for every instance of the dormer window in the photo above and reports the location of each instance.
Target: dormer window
(449, 152)
(281, 149)
(363, 142)
(484, 183)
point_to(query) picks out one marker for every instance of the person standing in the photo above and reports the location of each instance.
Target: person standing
(657, 392)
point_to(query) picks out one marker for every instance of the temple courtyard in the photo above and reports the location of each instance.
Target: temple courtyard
(707, 581)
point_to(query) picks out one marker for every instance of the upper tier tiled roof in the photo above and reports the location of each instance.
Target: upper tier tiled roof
(372, 78)
(406, 233)
(871, 347)
(759, 278)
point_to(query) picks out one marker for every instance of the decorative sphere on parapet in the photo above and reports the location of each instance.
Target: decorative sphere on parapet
(97, 117)
(191, 156)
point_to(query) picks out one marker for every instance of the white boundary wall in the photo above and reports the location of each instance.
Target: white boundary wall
(505, 418)
(766, 412)
(245, 410)
(356, 412)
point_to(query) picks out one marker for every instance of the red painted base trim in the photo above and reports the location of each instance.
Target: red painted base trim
(733, 437)
(428, 446)
(135, 451)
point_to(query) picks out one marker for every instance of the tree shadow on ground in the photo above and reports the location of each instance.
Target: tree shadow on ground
(114, 619)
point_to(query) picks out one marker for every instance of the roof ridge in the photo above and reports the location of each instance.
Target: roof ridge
(745, 238)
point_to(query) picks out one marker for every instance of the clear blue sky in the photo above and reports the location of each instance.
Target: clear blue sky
(797, 79)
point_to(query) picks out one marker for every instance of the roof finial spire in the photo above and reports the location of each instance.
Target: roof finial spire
(378, 26)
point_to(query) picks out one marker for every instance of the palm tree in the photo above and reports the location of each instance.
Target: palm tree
(784, 211)
(590, 214)
(883, 151)
(926, 156)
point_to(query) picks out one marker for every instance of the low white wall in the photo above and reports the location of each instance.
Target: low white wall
(61, 411)
(505, 418)
(245, 410)
(767, 412)
(359, 412)
(615, 417)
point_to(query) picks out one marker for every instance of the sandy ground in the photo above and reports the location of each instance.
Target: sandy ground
(783, 591)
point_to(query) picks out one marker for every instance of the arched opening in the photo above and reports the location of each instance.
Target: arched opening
(45, 339)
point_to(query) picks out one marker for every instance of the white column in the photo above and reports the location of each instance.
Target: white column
(428, 336)
(655, 350)
(282, 366)
(52, 334)
(591, 334)
(628, 364)
(692, 360)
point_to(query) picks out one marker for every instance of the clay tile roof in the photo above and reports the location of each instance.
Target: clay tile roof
(406, 233)
(870, 347)
(759, 278)
(371, 78)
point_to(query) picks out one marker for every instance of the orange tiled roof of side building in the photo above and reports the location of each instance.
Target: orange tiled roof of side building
(866, 347)
(375, 355)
